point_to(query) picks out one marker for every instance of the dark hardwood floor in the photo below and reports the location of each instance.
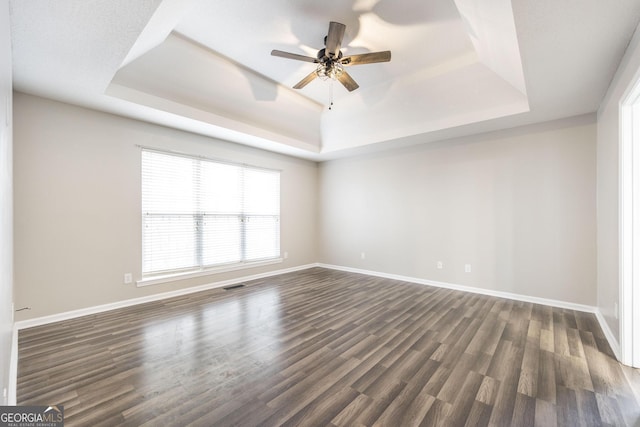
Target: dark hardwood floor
(323, 347)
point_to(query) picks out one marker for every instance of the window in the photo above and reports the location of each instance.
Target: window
(198, 213)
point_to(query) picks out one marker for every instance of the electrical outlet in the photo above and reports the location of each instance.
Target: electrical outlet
(285, 255)
(615, 310)
(467, 268)
(439, 265)
(128, 278)
(362, 255)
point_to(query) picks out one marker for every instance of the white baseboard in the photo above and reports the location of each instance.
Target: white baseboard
(38, 321)
(611, 338)
(13, 369)
(500, 294)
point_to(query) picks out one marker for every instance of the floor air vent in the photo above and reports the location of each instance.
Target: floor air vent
(228, 288)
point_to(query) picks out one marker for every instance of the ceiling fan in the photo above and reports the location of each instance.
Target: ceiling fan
(330, 61)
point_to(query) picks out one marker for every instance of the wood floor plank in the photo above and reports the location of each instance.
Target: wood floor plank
(464, 400)
(326, 347)
(545, 414)
(479, 415)
(324, 408)
(354, 412)
(524, 411)
(411, 406)
(437, 415)
(546, 385)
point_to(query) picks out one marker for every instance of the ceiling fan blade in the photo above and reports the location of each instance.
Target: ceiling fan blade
(293, 56)
(302, 83)
(347, 81)
(334, 39)
(367, 58)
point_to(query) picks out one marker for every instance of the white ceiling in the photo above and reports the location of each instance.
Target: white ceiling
(458, 66)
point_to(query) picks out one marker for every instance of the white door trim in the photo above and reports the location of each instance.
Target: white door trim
(629, 229)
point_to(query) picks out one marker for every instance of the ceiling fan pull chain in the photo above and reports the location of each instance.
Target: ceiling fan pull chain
(331, 95)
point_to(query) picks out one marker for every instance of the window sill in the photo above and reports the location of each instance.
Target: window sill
(156, 280)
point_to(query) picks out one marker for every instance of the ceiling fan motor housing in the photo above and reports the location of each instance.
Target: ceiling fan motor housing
(322, 55)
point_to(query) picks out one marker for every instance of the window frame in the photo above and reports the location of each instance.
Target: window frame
(199, 268)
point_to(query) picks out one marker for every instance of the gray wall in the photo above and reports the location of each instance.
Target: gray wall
(518, 205)
(77, 204)
(6, 202)
(608, 183)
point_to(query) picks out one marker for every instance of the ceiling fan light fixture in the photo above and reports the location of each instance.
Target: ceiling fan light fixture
(329, 70)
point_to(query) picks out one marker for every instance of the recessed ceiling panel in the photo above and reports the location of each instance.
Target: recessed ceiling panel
(457, 66)
(453, 63)
(465, 92)
(202, 81)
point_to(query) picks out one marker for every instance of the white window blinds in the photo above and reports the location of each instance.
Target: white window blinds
(199, 213)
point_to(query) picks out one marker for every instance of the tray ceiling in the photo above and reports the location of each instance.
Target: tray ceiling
(457, 67)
